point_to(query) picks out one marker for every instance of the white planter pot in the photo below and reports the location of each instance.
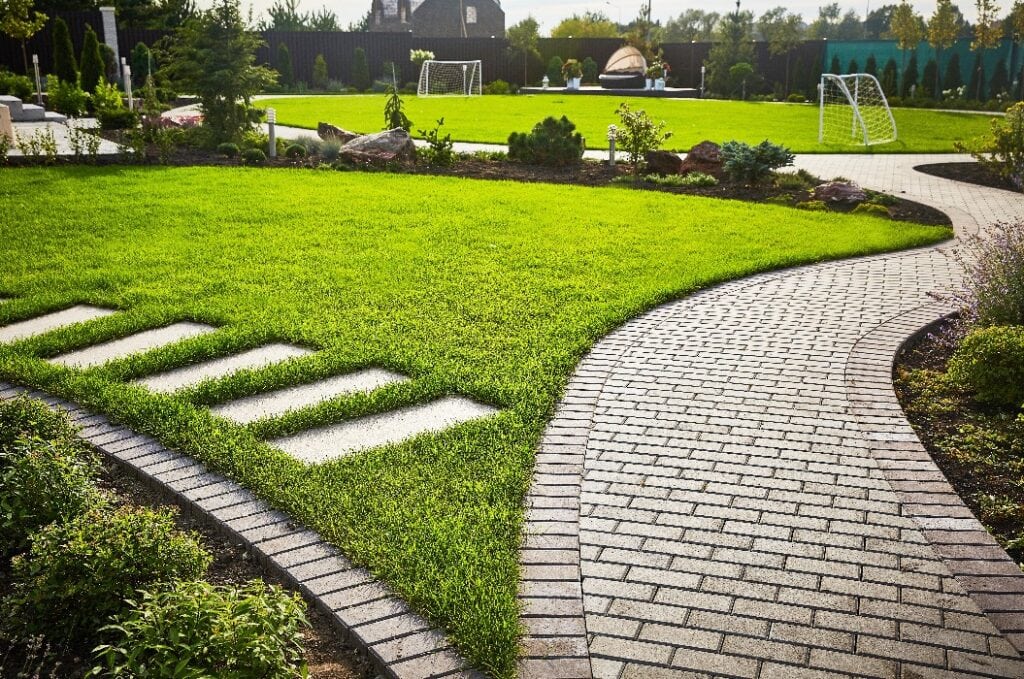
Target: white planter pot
(650, 84)
(659, 84)
(572, 83)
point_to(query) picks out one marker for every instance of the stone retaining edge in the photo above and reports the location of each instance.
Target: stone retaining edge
(366, 613)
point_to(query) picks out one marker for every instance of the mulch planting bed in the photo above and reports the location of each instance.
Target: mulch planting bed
(327, 655)
(979, 449)
(970, 172)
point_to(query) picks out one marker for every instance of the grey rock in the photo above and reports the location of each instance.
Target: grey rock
(326, 131)
(383, 147)
(840, 192)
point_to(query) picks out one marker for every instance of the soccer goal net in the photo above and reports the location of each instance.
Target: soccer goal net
(854, 110)
(458, 78)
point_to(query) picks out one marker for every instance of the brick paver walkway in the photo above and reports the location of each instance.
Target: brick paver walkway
(735, 518)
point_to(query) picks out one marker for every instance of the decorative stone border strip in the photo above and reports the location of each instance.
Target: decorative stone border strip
(401, 644)
(980, 565)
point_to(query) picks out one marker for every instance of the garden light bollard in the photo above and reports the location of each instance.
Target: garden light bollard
(272, 132)
(613, 133)
(39, 81)
(126, 71)
(703, 70)
(545, 82)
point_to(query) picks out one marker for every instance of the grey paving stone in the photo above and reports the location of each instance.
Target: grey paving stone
(192, 375)
(51, 321)
(376, 430)
(138, 343)
(277, 403)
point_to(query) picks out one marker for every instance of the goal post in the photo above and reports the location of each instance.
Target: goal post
(451, 78)
(852, 109)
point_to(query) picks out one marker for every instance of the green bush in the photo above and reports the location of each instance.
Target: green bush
(638, 135)
(65, 96)
(25, 417)
(106, 97)
(361, 70)
(42, 482)
(117, 119)
(77, 574)
(320, 79)
(228, 149)
(552, 142)
(64, 63)
(19, 86)
(310, 143)
(554, 71)
(990, 362)
(254, 157)
(498, 87)
(295, 151)
(1002, 151)
(199, 630)
(813, 205)
(872, 209)
(438, 151)
(92, 61)
(742, 162)
(796, 98)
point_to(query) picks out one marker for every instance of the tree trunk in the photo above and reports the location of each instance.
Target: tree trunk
(785, 88)
(938, 70)
(24, 55)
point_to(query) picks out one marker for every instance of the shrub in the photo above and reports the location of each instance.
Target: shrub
(360, 70)
(796, 98)
(788, 181)
(42, 482)
(1002, 151)
(554, 72)
(394, 116)
(228, 149)
(117, 119)
(295, 151)
(552, 142)
(330, 149)
(311, 144)
(438, 151)
(286, 76)
(638, 135)
(813, 205)
(689, 179)
(106, 97)
(92, 61)
(320, 79)
(590, 70)
(497, 87)
(990, 362)
(19, 86)
(77, 574)
(24, 417)
(873, 209)
(64, 63)
(742, 162)
(254, 157)
(993, 281)
(209, 631)
(65, 96)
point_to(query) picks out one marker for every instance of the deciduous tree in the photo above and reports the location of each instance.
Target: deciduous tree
(19, 20)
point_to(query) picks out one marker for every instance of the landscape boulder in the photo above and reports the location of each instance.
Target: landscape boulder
(326, 131)
(846, 193)
(383, 147)
(705, 157)
(663, 162)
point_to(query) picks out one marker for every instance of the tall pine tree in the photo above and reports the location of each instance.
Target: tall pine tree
(92, 61)
(284, 66)
(65, 66)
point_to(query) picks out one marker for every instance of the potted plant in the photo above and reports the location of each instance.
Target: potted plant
(572, 72)
(655, 72)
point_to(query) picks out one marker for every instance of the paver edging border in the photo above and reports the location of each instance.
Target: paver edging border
(993, 581)
(366, 613)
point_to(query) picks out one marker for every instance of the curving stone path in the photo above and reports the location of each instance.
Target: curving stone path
(729, 488)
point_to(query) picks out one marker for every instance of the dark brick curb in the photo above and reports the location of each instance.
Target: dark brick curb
(980, 565)
(400, 643)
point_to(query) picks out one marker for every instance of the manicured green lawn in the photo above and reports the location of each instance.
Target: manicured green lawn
(488, 289)
(492, 118)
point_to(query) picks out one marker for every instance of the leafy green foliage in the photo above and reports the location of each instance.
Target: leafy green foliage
(23, 417)
(92, 61)
(65, 96)
(360, 70)
(254, 156)
(490, 119)
(688, 179)
(65, 66)
(295, 151)
(286, 75)
(437, 517)
(552, 142)
(42, 482)
(873, 209)
(20, 21)
(229, 149)
(195, 630)
(142, 64)
(117, 119)
(214, 56)
(438, 151)
(394, 116)
(1002, 150)
(320, 77)
(19, 86)
(638, 135)
(77, 574)
(745, 163)
(990, 362)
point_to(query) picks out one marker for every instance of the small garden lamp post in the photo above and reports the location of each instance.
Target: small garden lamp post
(272, 132)
(545, 82)
(39, 82)
(613, 133)
(703, 71)
(126, 71)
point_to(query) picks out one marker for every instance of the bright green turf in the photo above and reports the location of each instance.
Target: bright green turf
(492, 118)
(489, 289)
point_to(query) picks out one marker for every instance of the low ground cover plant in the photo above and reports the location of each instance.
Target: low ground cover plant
(438, 517)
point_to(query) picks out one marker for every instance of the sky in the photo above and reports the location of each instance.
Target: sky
(550, 13)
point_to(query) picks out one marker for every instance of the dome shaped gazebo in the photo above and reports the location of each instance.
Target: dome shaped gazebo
(626, 69)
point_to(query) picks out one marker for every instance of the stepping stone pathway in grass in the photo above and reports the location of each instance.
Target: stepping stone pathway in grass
(191, 375)
(138, 343)
(47, 322)
(337, 440)
(277, 403)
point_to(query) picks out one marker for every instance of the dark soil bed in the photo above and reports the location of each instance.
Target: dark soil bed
(970, 172)
(980, 450)
(327, 655)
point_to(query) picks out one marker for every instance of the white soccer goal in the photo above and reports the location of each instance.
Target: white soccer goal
(854, 110)
(457, 78)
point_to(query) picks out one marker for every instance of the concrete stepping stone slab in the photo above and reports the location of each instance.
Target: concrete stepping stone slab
(47, 322)
(138, 343)
(318, 445)
(191, 375)
(277, 403)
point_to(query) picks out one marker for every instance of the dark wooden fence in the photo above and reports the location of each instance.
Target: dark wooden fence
(338, 48)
